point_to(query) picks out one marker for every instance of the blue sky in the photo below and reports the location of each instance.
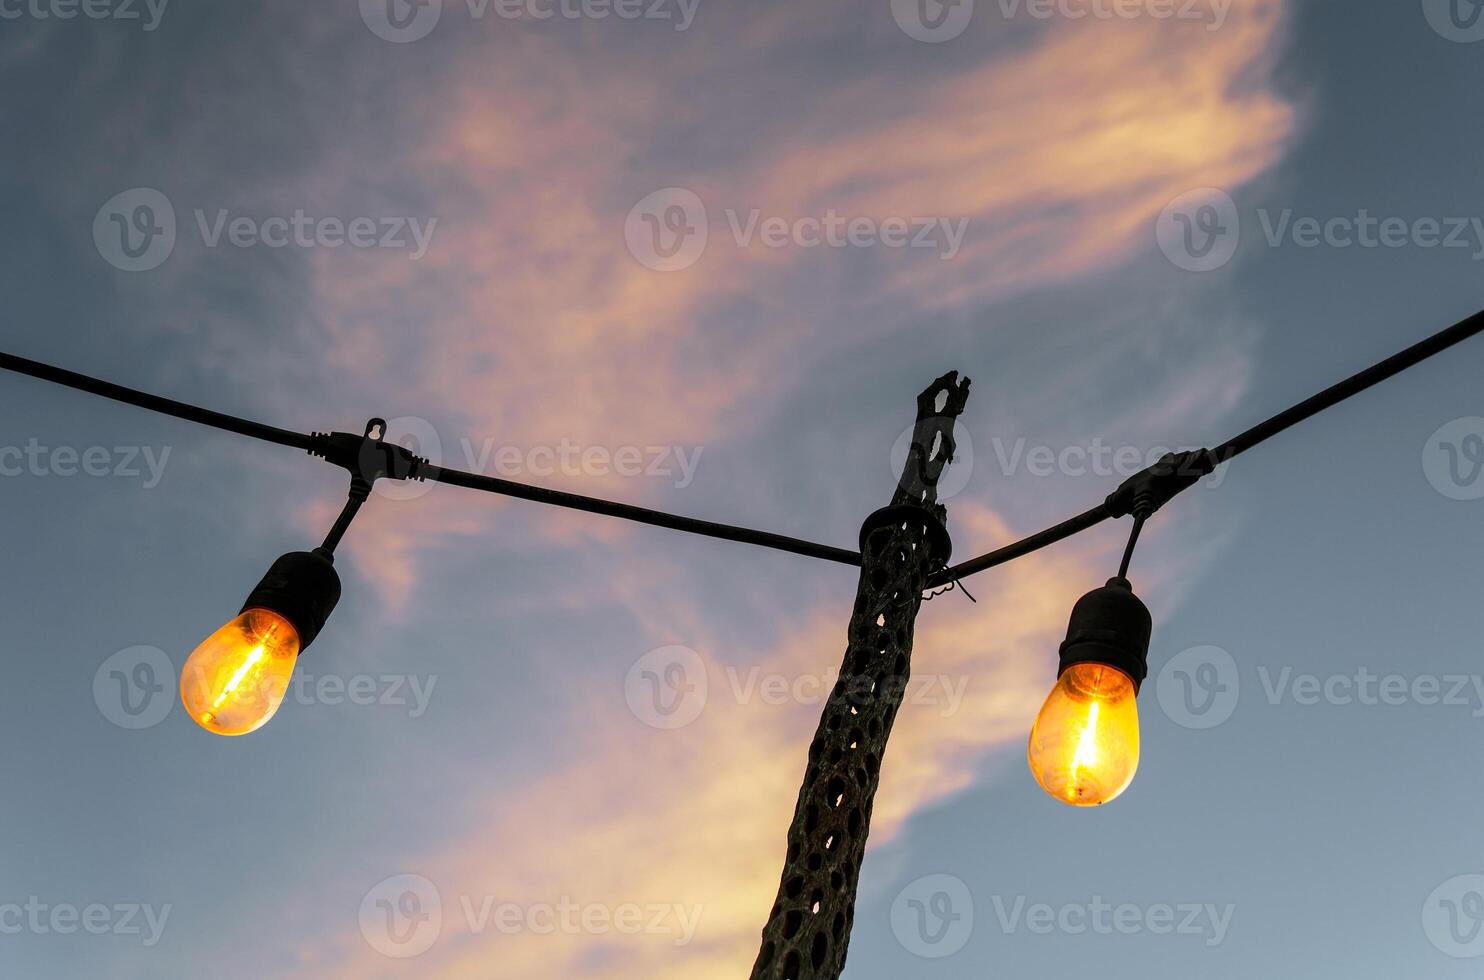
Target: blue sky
(484, 225)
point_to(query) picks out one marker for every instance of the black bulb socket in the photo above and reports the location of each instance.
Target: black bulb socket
(303, 588)
(1110, 626)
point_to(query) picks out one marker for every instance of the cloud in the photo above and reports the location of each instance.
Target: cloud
(695, 818)
(537, 324)
(529, 319)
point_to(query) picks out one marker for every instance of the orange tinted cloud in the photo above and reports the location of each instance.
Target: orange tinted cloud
(532, 321)
(695, 817)
(542, 327)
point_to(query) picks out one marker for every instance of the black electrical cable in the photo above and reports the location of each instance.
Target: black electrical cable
(1328, 398)
(508, 488)
(1025, 546)
(1260, 433)
(1352, 386)
(154, 403)
(593, 505)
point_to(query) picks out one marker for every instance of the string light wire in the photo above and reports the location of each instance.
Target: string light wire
(1160, 483)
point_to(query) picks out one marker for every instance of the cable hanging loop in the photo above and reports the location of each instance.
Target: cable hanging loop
(368, 457)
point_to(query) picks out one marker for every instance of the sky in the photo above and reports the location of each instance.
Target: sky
(702, 257)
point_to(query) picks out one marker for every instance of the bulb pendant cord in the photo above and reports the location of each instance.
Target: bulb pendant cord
(1145, 504)
(360, 490)
(1128, 553)
(361, 479)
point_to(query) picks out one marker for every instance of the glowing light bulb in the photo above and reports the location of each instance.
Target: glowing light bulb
(1084, 746)
(235, 681)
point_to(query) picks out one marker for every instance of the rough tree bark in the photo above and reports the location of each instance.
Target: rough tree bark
(809, 928)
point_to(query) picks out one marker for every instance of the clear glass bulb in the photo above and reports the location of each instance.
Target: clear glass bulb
(236, 680)
(1084, 747)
